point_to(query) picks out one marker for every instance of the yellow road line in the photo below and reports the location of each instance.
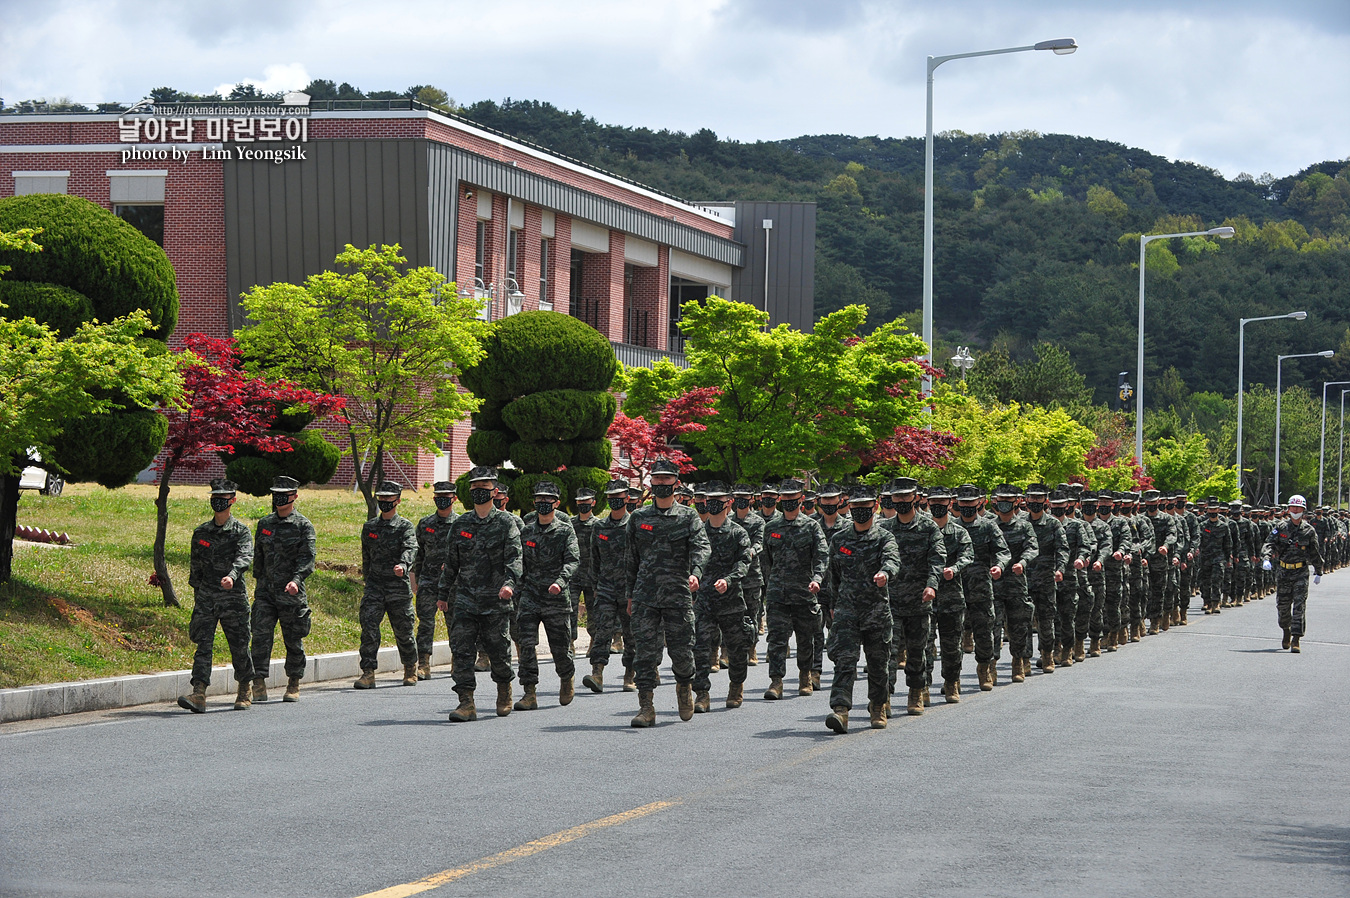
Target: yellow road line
(520, 852)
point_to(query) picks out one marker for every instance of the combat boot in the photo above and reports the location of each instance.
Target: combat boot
(879, 715)
(968, 643)
(566, 691)
(595, 680)
(1068, 659)
(1079, 654)
(482, 663)
(504, 698)
(616, 644)
(259, 690)
(815, 680)
(702, 703)
(292, 693)
(684, 697)
(1017, 675)
(1047, 662)
(804, 683)
(1181, 615)
(466, 710)
(735, 695)
(410, 674)
(629, 680)
(194, 701)
(424, 666)
(775, 690)
(1094, 647)
(1287, 637)
(1136, 632)
(915, 706)
(365, 681)
(837, 720)
(529, 701)
(646, 715)
(1293, 647)
(242, 702)
(951, 691)
(990, 676)
(725, 660)
(753, 659)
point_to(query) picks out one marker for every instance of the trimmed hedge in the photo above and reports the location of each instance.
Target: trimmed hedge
(312, 459)
(110, 449)
(522, 490)
(93, 252)
(60, 308)
(489, 416)
(561, 415)
(536, 351)
(489, 447)
(579, 476)
(592, 453)
(539, 456)
(253, 474)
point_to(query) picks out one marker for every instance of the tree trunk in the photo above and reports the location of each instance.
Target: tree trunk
(161, 533)
(9, 516)
(363, 482)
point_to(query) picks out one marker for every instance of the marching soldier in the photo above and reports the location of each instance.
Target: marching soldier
(432, 534)
(949, 606)
(796, 553)
(1012, 600)
(549, 560)
(991, 560)
(1046, 571)
(608, 613)
(1293, 546)
(719, 607)
(283, 559)
(922, 558)
(752, 587)
(388, 550)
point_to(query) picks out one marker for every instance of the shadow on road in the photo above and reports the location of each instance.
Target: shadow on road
(1273, 650)
(439, 721)
(814, 736)
(1328, 846)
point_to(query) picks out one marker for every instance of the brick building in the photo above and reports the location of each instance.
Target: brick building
(247, 194)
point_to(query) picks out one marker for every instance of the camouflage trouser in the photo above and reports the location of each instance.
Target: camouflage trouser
(826, 615)
(426, 620)
(1012, 608)
(1291, 600)
(1211, 582)
(655, 628)
(1044, 598)
(1096, 616)
(607, 615)
(980, 618)
(753, 593)
(293, 615)
(557, 625)
(1172, 595)
(1242, 580)
(734, 628)
(1138, 594)
(1116, 611)
(784, 621)
(1066, 610)
(581, 593)
(1187, 583)
(468, 631)
(949, 626)
(868, 628)
(395, 601)
(230, 610)
(909, 632)
(1157, 589)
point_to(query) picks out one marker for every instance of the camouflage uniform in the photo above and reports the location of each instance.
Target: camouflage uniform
(1091, 622)
(482, 555)
(608, 614)
(862, 610)
(384, 544)
(1012, 600)
(433, 532)
(949, 608)
(841, 523)
(582, 588)
(1292, 548)
(665, 547)
(1159, 564)
(796, 555)
(1053, 557)
(220, 551)
(922, 556)
(1216, 558)
(284, 553)
(1115, 614)
(1143, 541)
(549, 556)
(729, 559)
(753, 585)
(1073, 589)
(991, 550)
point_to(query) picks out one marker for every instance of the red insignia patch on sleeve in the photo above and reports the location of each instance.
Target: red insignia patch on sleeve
(603, 536)
(202, 542)
(466, 534)
(845, 550)
(648, 527)
(776, 535)
(531, 543)
(267, 533)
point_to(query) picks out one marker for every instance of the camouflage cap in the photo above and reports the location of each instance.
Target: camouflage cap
(222, 487)
(585, 493)
(684, 490)
(742, 489)
(1151, 496)
(616, 487)
(1059, 496)
(1006, 491)
(791, 485)
(390, 488)
(635, 492)
(547, 488)
(861, 494)
(969, 491)
(1037, 489)
(482, 472)
(941, 493)
(441, 487)
(664, 465)
(904, 485)
(716, 488)
(830, 490)
(283, 484)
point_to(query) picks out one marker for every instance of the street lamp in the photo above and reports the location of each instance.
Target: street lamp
(1062, 46)
(1144, 241)
(1340, 463)
(1322, 452)
(1242, 385)
(1279, 394)
(963, 360)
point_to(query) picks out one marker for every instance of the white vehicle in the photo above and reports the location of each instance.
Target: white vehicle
(42, 480)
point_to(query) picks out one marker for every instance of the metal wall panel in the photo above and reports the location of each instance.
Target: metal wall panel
(791, 245)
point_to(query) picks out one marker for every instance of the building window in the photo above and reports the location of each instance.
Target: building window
(512, 256)
(480, 253)
(149, 220)
(545, 248)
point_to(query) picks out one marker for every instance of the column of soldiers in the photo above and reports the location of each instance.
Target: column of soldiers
(902, 578)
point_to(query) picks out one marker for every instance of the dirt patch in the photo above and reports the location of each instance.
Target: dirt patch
(351, 570)
(109, 631)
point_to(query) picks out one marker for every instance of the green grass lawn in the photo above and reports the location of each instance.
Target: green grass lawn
(115, 622)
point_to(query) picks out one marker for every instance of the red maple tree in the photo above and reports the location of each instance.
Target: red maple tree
(913, 446)
(1110, 454)
(225, 408)
(641, 442)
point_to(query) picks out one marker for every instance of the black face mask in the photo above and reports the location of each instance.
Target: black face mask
(663, 490)
(444, 502)
(500, 502)
(1036, 507)
(887, 502)
(861, 514)
(967, 512)
(281, 500)
(387, 504)
(790, 505)
(1151, 510)
(585, 507)
(701, 507)
(1089, 510)
(826, 508)
(904, 507)
(808, 507)
(1213, 515)
(769, 504)
(716, 506)
(1003, 507)
(1058, 510)
(618, 502)
(480, 495)
(631, 504)
(741, 502)
(938, 511)
(543, 507)
(220, 503)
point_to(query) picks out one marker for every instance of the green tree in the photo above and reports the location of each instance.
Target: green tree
(388, 339)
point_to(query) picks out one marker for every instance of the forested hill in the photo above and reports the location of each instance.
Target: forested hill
(1036, 238)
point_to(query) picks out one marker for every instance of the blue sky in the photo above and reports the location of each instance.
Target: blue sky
(1239, 86)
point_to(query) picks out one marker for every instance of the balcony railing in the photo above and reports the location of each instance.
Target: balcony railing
(645, 356)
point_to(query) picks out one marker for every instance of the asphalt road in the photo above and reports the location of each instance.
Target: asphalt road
(1203, 761)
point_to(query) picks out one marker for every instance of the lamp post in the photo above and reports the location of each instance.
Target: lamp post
(1144, 241)
(1340, 462)
(1242, 385)
(1061, 47)
(1322, 452)
(963, 360)
(1279, 394)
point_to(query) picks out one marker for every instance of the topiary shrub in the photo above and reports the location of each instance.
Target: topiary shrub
(561, 414)
(578, 477)
(312, 459)
(489, 416)
(592, 453)
(536, 351)
(522, 489)
(93, 252)
(252, 474)
(60, 308)
(540, 456)
(110, 449)
(489, 447)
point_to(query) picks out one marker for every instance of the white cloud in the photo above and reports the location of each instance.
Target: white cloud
(275, 79)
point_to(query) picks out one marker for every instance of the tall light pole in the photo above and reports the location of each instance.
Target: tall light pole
(1144, 241)
(1061, 47)
(1322, 452)
(1279, 394)
(1242, 383)
(1340, 463)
